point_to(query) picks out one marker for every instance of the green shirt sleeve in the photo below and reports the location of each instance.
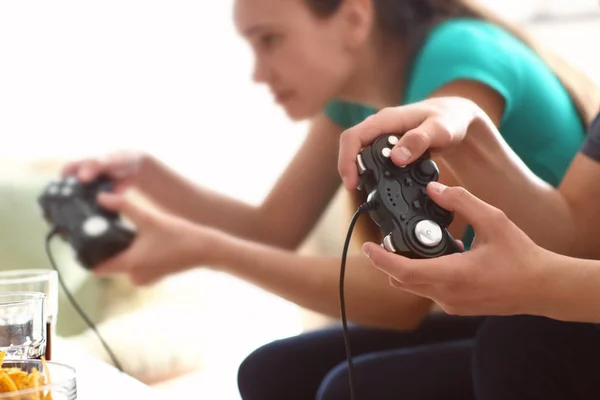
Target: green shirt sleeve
(467, 50)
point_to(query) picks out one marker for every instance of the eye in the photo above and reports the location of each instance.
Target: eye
(270, 40)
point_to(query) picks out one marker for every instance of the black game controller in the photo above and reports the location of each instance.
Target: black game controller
(412, 224)
(94, 232)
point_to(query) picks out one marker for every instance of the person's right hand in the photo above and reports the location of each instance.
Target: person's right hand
(432, 124)
(122, 167)
(504, 273)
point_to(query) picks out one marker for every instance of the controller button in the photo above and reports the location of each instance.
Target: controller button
(95, 226)
(387, 174)
(393, 140)
(386, 152)
(71, 180)
(388, 245)
(416, 204)
(428, 233)
(371, 195)
(403, 217)
(408, 181)
(361, 165)
(66, 191)
(53, 189)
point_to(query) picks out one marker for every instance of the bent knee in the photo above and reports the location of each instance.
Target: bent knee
(256, 372)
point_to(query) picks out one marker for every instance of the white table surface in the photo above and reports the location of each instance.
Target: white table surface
(97, 380)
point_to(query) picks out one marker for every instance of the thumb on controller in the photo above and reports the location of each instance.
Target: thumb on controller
(120, 203)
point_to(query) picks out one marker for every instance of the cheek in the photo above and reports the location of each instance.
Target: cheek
(316, 74)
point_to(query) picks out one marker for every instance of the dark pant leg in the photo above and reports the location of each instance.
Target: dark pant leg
(528, 357)
(439, 371)
(293, 368)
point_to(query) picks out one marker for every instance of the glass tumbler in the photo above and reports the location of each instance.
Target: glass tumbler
(36, 280)
(22, 325)
(55, 381)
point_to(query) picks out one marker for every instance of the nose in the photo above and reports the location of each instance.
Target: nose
(259, 74)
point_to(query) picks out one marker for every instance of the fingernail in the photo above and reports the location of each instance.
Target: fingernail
(366, 250)
(402, 154)
(437, 187)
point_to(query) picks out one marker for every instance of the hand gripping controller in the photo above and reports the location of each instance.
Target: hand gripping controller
(94, 232)
(412, 224)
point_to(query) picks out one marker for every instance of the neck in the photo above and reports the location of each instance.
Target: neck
(379, 76)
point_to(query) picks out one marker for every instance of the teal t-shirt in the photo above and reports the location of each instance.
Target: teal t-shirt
(540, 121)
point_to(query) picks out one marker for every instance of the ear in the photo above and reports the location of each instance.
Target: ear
(359, 19)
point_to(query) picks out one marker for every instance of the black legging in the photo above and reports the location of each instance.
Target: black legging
(431, 362)
(517, 358)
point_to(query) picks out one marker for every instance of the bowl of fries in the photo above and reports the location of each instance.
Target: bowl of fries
(36, 380)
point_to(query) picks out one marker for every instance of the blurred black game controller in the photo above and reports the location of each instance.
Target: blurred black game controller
(412, 224)
(94, 233)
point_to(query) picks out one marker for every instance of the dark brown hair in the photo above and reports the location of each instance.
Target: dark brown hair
(411, 20)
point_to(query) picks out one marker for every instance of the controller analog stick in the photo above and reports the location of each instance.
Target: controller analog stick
(95, 226)
(427, 171)
(428, 233)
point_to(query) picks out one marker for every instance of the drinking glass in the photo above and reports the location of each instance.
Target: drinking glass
(60, 381)
(36, 280)
(23, 325)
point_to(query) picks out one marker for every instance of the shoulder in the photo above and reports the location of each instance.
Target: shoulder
(468, 37)
(468, 49)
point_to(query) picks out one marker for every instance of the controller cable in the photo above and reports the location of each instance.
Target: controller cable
(74, 303)
(363, 208)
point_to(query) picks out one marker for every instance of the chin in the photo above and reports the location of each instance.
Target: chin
(300, 112)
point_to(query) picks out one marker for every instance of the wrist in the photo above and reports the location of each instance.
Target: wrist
(545, 284)
(211, 248)
(147, 168)
(471, 149)
(568, 287)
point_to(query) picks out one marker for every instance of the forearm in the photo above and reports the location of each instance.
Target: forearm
(569, 289)
(485, 165)
(313, 283)
(180, 196)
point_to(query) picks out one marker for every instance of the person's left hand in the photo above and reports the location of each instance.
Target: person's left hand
(502, 274)
(164, 244)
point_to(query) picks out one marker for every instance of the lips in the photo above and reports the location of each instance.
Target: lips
(283, 96)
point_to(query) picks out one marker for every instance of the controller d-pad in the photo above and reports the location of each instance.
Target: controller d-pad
(95, 226)
(428, 233)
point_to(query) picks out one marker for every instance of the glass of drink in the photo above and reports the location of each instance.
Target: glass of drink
(36, 280)
(23, 325)
(55, 381)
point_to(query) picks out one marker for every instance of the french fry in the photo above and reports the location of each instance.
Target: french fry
(15, 379)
